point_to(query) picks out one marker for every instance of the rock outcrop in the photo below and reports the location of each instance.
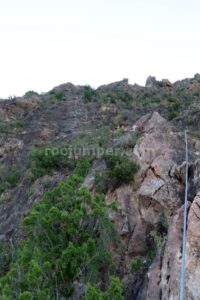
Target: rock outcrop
(158, 191)
(151, 82)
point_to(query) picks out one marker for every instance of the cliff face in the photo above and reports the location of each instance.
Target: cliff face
(145, 123)
(155, 205)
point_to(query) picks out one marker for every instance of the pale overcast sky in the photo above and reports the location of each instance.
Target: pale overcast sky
(45, 43)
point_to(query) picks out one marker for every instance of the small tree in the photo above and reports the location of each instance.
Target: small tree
(121, 167)
(30, 94)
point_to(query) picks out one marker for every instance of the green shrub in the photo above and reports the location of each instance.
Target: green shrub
(13, 178)
(10, 180)
(57, 95)
(68, 234)
(114, 291)
(11, 126)
(5, 257)
(25, 296)
(100, 137)
(172, 99)
(48, 158)
(3, 186)
(114, 206)
(109, 98)
(125, 97)
(88, 93)
(30, 94)
(174, 109)
(137, 264)
(180, 91)
(150, 257)
(163, 222)
(117, 121)
(159, 241)
(117, 97)
(121, 167)
(196, 93)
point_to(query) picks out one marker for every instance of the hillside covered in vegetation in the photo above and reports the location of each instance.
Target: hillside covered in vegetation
(92, 190)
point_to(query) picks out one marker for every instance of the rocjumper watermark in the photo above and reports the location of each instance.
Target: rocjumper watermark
(75, 152)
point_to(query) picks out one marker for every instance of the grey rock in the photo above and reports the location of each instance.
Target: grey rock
(151, 82)
(125, 141)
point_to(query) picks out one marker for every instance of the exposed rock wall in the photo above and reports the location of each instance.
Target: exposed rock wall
(158, 190)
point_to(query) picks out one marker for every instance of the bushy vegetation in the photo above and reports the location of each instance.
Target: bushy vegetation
(88, 93)
(174, 108)
(159, 241)
(5, 257)
(100, 137)
(109, 98)
(11, 126)
(57, 95)
(157, 247)
(44, 160)
(163, 223)
(137, 264)
(67, 239)
(196, 94)
(10, 179)
(118, 96)
(129, 105)
(121, 167)
(114, 291)
(30, 94)
(125, 97)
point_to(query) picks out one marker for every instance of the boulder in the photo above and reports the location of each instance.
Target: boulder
(166, 83)
(150, 121)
